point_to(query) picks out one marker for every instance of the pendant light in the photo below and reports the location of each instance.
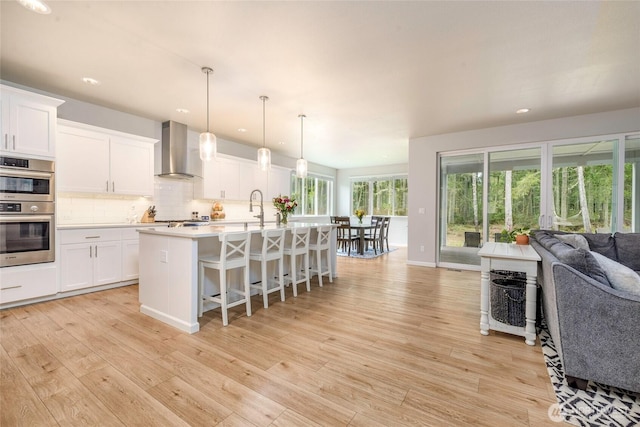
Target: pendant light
(264, 154)
(301, 164)
(208, 141)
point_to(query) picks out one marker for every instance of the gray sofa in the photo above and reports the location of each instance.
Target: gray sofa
(595, 327)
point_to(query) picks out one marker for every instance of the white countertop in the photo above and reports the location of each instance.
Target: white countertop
(216, 230)
(151, 224)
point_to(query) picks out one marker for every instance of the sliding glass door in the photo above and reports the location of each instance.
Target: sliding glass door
(588, 185)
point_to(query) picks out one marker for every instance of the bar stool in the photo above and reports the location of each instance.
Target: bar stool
(272, 250)
(322, 243)
(298, 246)
(234, 253)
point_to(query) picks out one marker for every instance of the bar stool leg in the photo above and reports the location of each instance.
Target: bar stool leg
(281, 277)
(247, 290)
(223, 296)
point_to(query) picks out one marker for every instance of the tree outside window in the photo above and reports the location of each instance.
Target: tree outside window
(313, 193)
(380, 196)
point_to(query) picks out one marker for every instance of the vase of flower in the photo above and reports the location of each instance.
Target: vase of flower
(284, 205)
(359, 213)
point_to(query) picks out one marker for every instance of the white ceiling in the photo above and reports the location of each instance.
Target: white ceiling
(368, 75)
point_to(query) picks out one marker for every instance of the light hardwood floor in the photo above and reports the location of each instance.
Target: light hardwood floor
(385, 344)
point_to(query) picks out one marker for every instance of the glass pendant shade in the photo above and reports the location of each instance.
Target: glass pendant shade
(264, 158)
(208, 146)
(208, 141)
(264, 154)
(301, 168)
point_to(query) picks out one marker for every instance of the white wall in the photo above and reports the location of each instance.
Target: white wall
(398, 229)
(423, 167)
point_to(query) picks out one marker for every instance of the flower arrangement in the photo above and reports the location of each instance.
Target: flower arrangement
(359, 213)
(285, 206)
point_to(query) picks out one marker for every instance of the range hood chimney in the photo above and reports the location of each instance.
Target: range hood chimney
(175, 151)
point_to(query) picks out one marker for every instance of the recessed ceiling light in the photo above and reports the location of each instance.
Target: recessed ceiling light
(242, 130)
(182, 110)
(37, 6)
(522, 110)
(90, 81)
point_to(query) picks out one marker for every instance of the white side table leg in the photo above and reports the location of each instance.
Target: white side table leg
(530, 313)
(484, 302)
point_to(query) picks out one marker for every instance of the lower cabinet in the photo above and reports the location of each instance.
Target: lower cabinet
(130, 248)
(90, 257)
(27, 281)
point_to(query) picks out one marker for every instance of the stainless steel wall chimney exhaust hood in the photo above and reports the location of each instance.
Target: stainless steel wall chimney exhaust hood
(175, 151)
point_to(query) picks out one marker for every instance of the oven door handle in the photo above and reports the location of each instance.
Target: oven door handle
(13, 173)
(26, 218)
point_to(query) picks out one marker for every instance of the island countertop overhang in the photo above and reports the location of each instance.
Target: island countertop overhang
(217, 230)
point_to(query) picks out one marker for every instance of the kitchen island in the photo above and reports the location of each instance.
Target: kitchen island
(168, 260)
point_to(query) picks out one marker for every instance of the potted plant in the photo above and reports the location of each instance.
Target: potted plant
(518, 235)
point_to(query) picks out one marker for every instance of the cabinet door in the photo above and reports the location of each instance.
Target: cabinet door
(130, 249)
(229, 174)
(131, 167)
(107, 262)
(252, 178)
(25, 282)
(76, 266)
(279, 182)
(82, 161)
(32, 127)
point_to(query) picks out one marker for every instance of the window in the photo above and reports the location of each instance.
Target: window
(380, 196)
(313, 193)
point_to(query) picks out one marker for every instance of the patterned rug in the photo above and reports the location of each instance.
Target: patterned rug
(598, 405)
(367, 254)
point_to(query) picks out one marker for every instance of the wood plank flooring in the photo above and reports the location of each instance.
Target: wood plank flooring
(386, 344)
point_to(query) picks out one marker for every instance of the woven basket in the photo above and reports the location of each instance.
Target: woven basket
(508, 297)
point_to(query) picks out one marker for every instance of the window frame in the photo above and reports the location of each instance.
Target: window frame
(371, 180)
(302, 209)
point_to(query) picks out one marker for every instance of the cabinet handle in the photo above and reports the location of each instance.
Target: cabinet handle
(90, 252)
(92, 237)
(14, 142)
(96, 251)
(107, 186)
(11, 287)
(113, 186)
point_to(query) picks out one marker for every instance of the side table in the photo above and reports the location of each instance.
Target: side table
(508, 256)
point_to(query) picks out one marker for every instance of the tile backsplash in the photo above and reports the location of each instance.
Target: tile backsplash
(173, 200)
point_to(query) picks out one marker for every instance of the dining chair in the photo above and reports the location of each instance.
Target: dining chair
(372, 235)
(384, 233)
(346, 238)
(322, 244)
(272, 250)
(297, 246)
(234, 254)
(472, 239)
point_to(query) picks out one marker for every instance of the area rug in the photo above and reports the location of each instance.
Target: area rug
(598, 405)
(367, 254)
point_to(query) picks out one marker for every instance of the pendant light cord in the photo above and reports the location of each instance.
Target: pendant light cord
(264, 98)
(302, 116)
(207, 71)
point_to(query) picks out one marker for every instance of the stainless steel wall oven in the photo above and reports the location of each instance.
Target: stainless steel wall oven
(27, 211)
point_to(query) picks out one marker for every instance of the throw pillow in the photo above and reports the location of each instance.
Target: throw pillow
(581, 260)
(628, 246)
(603, 244)
(621, 277)
(576, 240)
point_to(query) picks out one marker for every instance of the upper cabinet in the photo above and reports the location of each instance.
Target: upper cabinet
(28, 123)
(97, 160)
(234, 179)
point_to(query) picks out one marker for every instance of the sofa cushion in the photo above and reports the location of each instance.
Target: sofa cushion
(603, 244)
(581, 260)
(628, 248)
(621, 277)
(578, 241)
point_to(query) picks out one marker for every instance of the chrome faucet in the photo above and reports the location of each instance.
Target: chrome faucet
(261, 215)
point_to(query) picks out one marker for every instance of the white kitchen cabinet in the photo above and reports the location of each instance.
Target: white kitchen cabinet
(219, 180)
(279, 182)
(130, 250)
(252, 178)
(28, 123)
(27, 282)
(89, 257)
(96, 160)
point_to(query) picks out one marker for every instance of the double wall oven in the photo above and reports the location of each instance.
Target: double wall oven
(27, 211)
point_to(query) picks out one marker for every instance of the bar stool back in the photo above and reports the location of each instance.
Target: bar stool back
(322, 244)
(272, 250)
(298, 246)
(234, 253)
